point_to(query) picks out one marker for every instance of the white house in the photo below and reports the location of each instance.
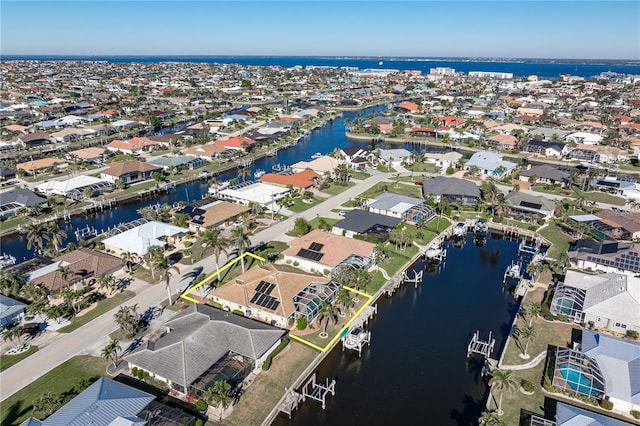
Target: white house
(584, 138)
(138, 240)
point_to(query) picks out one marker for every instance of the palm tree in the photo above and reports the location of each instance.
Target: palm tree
(218, 395)
(64, 271)
(127, 319)
(344, 300)
(502, 382)
(11, 283)
(56, 236)
(129, 259)
(13, 334)
(36, 237)
(633, 204)
(181, 219)
(241, 241)
(218, 245)
(526, 334)
(160, 263)
(111, 351)
(490, 418)
(107, 282)
(38, 307)
(534, 309)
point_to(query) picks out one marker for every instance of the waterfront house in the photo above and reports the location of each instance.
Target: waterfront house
(393, 157)
(607, 301)
(601, 367)
(212, 215)
(403, 207)
(569, 415)
(548, 133)
(75, 187)
(547, 148)
(11, 311)
(606, 256)
(320, 165)
(460, 192)
(525, 206)
(129, 172)
(132, 146)
(201, 345)
(139, 239)
(545, 174)
(276, 294)
(619, 225)
(320, 251)
(299, 181)
(624, 188)
(248, 192)
(584, 138)
(490, 163)
(180, 162)
(238, 143)
(71, 135)
(501, 142)
(357, 157)
(105, 403)
(443, 160)
(31, 140)
(15, 199)
(364, 223)
(597, 153)
(83, 264)
(208, 151)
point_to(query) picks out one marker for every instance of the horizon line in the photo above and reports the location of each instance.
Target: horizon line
(377, 57)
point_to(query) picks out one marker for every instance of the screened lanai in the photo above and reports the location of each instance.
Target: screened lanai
(568, 301)
(577, 372)
(308, 301)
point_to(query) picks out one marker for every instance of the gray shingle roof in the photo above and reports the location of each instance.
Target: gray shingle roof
(199, 337)
(24, 197)
(441, 185)
(388, 201)
(361, 221)
(100, 404)
(546, 172)
(9, 306)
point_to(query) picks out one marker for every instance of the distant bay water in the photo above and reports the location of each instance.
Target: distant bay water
(551, 68)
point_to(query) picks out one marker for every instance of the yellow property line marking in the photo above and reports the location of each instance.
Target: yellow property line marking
(215, 273)
(337, 336)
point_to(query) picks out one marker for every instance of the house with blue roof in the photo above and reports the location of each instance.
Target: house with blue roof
(490, 163)
(104, 403)
(601, 367)
(11, 311)
(568, 415)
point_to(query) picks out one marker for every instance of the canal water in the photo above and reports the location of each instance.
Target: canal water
(416, 372)
(323, 140)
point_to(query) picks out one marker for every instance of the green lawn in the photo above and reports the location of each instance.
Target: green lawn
(376, 283)
(602, 197)
(397, 258)
(438, 224)
(359, 175)
(423, 167)
(336, 189)
(101, 307)
(559, 240)
(17, 408)
(393, 187)
(315, 223)
(548, 189)
(7, 361)
(300, 206)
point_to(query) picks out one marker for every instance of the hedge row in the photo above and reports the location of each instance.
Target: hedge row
(274, 353)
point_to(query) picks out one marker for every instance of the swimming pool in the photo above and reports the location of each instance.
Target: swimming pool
(576, 378)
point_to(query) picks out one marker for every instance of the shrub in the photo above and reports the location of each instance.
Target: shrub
(215, 304)
(188, 244)
(635, 414)
(134, 371)
(274, 353)
(199, 422)
(301, 323)
(541, 221)
(140, 374)
(145, 375)
(238, 312)
(633, 334)
(606, 404)
(201, 405)
(528, 386)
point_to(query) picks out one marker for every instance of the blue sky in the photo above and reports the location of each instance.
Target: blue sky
(538, 29)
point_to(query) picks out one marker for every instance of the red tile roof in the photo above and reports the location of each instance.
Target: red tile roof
(235, 142)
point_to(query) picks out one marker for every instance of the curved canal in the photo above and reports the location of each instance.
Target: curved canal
(322, 140)
(416, 371)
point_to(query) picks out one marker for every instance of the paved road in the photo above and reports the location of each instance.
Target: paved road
(84, 338)
(79, 341)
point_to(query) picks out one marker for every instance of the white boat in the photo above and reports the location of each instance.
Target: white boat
(481, 227)
(258, 174)
(460, 230)
(7, 260)
(435, 252)
(355, 337)
(215, 188)
(316, 155)
(512, 272)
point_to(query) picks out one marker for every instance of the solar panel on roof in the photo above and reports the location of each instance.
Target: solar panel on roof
(531, 205)
(308, 254)
(260, 300)
(269, 289)
(254, 298)
(261, 286)
(316, 246)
